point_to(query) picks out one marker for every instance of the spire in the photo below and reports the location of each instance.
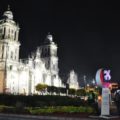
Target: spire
(8, 9)
(8, 14)
(48, 33)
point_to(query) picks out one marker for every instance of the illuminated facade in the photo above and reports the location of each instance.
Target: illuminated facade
(73, 80)
(21, 76)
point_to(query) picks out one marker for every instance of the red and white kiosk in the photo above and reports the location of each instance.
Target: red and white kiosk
(103, 78)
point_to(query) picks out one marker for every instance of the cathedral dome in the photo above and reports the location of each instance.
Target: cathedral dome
(49, 38)
(8, 14)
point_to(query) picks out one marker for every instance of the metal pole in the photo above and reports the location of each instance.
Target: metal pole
(84, 77)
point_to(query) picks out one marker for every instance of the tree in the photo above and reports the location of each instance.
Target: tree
(81, 92)
(52, 89)
(41, 88)
(62, 90)
(72, 91)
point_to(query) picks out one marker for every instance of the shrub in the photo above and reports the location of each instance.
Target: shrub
(19, 106)
(63, 109)
(40, 101)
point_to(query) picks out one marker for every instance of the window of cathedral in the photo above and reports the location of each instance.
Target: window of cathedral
(2, 50)
(15, 36)
(2, 55)
(12, 31)
(12, 34)
(11, 55)
(4, 30)
(42, 53)
(0, 31)
(10, 67)
(48, 52)
(54, 67)
(6, 55)
(8, 35)
(9, 30)
(54, 76)
(16, 51)
(15, 57)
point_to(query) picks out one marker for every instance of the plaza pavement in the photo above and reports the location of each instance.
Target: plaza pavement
(32, 117)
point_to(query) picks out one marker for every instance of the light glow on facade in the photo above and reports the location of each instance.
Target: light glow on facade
(20, 76)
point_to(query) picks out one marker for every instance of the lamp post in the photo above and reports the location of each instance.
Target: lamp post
(93, 82)
(84, 77)
(67, 89)
(88, 87)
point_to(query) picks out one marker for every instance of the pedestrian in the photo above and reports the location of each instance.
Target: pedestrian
(117, 100)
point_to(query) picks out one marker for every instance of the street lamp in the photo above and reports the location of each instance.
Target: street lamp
(84, 77)
(88, 87)
(93, 82)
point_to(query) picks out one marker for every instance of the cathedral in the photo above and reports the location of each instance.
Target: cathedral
(72, 80)
(20, 76)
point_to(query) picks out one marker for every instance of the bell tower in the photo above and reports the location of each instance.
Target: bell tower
(49, 55)
(9, 45)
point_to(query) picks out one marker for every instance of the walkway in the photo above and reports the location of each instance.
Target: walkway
(31, 117)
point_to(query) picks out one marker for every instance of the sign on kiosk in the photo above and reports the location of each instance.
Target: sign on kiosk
(107, 76)
(103, 78)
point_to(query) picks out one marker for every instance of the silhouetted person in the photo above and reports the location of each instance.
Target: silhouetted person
(117, 100)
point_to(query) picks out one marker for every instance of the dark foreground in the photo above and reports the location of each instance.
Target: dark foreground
(31, 117)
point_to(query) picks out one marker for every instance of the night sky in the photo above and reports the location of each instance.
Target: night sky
(87, 32)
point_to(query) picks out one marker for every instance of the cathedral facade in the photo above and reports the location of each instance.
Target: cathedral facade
(20, 76)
